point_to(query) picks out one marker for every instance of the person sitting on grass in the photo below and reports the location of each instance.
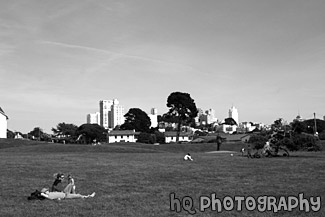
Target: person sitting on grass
(188, 157)
(57, 184)
(61, 195)
(71, 187)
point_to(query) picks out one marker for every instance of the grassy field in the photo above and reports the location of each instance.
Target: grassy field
(138, 179)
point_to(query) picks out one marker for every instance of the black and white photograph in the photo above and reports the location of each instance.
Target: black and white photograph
(123, 108)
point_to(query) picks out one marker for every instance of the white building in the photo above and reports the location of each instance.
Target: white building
(116, 114)
(104, 110)
(245, 127)
(208, 117)
(153, 117)
(122, 136)
(233, 113)
(3, 124)
(111, 113)
(170, 136)
(93, 118)
(227, 128)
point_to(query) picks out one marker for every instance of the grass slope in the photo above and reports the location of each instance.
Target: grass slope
(137, 179)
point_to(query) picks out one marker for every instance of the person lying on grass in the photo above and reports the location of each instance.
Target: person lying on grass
(61, 195)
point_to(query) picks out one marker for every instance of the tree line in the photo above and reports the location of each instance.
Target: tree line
(182, 110)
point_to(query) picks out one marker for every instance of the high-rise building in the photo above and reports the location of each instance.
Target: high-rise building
(153, 117)
(233, 113)
(104, 110)
(116, 114)
(93, 118)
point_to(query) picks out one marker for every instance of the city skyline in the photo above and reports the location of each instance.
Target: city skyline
(58, 59)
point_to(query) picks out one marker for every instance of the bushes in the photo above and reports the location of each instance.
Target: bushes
(321, 136)
(288, 143)
(147, 138)
(258, 141)
(304, 142)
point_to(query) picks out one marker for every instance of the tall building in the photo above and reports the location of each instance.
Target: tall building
(116, 114)
(153, 117)
(233, 113)
(208, 117)
(104, 110)
(93, 118)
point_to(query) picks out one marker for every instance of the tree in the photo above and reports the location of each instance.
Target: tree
(92, 132)
(298, 127)
(10, 134)
(320, 125)
(182, 107)
(67, 130)
(258, 141)
(37, 132)
(137, 120)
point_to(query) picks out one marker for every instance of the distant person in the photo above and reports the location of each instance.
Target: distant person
(57, 184)
(71, 187)
(242, 151)
(61, 195)
(249, 149)
(188, 157)
(219, 141)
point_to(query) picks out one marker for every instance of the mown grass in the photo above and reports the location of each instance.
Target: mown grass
(137, 179)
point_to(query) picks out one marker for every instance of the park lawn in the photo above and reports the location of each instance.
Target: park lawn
(138, 180)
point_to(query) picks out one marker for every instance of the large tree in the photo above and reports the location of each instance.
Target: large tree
(183, 108)
(137, 120)
(37, 132)
(67, 130)
(91, 132)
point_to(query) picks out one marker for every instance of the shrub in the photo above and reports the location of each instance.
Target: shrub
(288, 143)
(160, 137)
(306, 142)
(321, 136)
(258, 141)
(147, 138)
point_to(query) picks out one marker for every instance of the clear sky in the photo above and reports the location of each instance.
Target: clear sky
(59, 58)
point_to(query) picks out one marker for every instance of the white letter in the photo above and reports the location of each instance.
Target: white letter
(271, 201)
(214, 201)
(303, 202)
(250, 203)
(262, 204)
(239, 200)
(228, 203)
(290, 205)
(205, 203)
(313, 203)
(282, 203)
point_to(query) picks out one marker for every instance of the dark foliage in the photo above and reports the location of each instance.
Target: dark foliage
(320, 124)
(181, 107)
(137, 120)
(147, 138)
(258, 141)
(92, 132)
